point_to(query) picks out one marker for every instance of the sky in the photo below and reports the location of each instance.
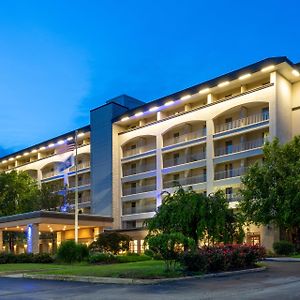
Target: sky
(61, 58)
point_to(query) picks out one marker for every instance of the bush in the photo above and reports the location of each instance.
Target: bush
(9, 258)
(149, 253)
(102, 258)
(70, 252)
(283, 248)
(131, 258)
(112, 242)
(222, 258)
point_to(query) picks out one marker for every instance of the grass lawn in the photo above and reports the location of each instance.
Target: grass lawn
(144, 269)
(27, 267)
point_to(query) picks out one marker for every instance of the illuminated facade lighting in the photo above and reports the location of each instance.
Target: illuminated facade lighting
(154, 108)
(80, 134)
(51, 145)
(138, 114)
(42, 148)
(4, 161)
(60, 142)
(296, 73)
(185, 97)
(224, 83)
(10, 159)
(18, 156)
(26, 153)
(204, 91)
(70, 138)
(34, 151)
(168, 103)
(125, 119)
(243, 77)
(268, 68)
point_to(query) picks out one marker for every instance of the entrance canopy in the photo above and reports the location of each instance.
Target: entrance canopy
(62, 225)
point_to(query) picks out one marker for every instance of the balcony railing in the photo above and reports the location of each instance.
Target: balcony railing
(183, 159)
(138, 189)
(80, 182)
(139, 169)
(50, 174)
(230, 173)
(185, 181)
(185, 137)
(233, 197)
(138, 209)
(240, 147)
(138, 150)
(81, 166)
(253, 119)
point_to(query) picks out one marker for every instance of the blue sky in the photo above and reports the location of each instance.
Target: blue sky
(59, 59)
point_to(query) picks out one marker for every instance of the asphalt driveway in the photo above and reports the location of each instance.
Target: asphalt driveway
(280, 281)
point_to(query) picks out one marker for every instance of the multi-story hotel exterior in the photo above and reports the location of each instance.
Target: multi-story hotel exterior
(203, 137)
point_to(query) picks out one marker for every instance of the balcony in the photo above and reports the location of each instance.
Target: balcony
(138, 189)
(185, 181)
(185, 137)
(82, 182)
(138, 150)
(253, 119)
(230, 173)
(183, 159)
(233, 197)
(81, 166)
(139, 169)
(240, 147)
(50, 174)
(138, 209)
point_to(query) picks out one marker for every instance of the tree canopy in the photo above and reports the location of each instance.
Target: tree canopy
(271, 190)
(20, 193)
(197, 216)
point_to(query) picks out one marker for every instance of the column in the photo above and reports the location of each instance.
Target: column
(159, 186)
(1, 240)
(33, 238)
(209, 156)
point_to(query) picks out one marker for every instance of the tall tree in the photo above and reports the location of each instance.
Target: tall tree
(196, 216)
(271, 190)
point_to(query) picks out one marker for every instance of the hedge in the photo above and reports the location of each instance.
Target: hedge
(10, 258)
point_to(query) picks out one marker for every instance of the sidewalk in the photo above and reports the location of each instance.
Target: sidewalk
(283, 259)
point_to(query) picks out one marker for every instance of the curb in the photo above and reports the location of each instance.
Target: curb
(111, 280)
(282, 259)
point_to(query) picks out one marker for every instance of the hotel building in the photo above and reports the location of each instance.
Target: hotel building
(203, 137)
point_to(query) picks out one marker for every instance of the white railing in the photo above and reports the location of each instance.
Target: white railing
(233, 197)
(50, 174)
(138, 150)
(81, 166)
(240, 147)
(253, 119)
(185, 181)
(80, 182)
(185, 137)
(139, 169)
(138, 189)
(230, 173)
(183, 159)
(138, 209)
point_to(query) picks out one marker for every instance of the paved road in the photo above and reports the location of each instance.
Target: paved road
(280, 281)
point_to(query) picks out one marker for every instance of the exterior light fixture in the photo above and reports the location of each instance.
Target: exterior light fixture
(80, 134)
(224, 83)
(34, 151)
(185, 97)
(168, 103)
(245, 76)
(138, 114)
(4, 161)
(70, 138)
(60, 142)
(125, 119)
(18, 156)
(42, 148)
(268, 68)
(296, 73)
(51, 145)
(11, 158)
(154, 108)
(26, 153)
(204, 91)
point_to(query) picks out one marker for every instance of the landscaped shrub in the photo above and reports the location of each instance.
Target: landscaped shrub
(149, 253)
(222, 258)
(82, 252)
(283, 248)
(131, 258)
(70, 252)
(102, 258)
(9, 258)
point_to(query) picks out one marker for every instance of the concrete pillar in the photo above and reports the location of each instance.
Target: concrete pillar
(243, 88)
(33, 238)
(187, 107)
(209, 156)
(39, 177)
(159, 165)
(210, 98)
(1, 240)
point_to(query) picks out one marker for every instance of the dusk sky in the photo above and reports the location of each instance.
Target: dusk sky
(59, 59)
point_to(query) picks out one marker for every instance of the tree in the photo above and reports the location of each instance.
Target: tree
(271, 190)
(196, 216)
(111, 242)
